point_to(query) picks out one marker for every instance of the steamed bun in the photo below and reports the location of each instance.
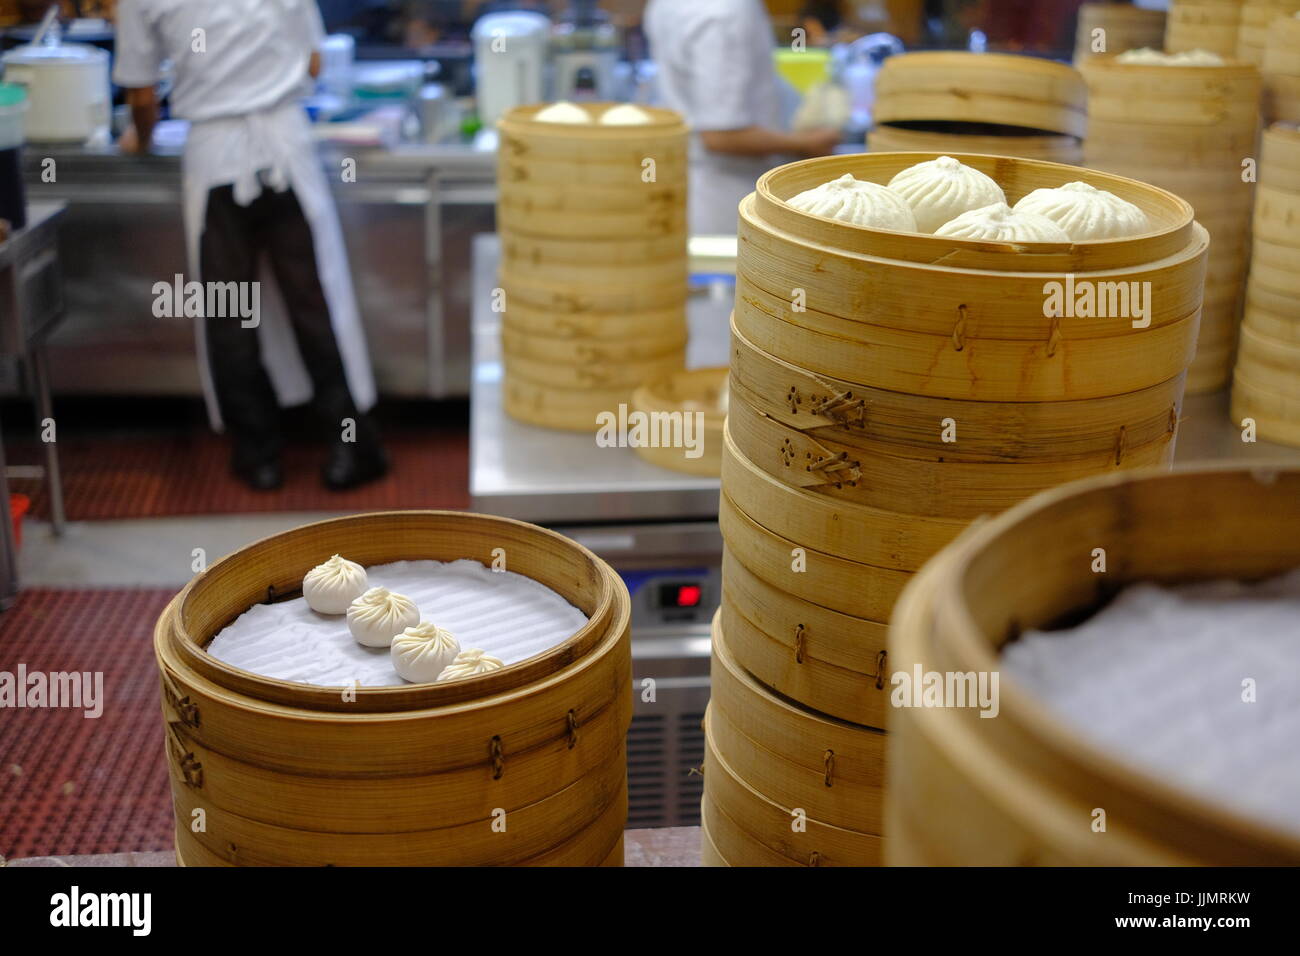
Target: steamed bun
(563, 112)
(1086, 212)
(859, 202)
(1000, 222)
(942, 189)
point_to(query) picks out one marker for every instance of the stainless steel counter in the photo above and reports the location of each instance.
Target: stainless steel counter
(407, 221)
(557, 477)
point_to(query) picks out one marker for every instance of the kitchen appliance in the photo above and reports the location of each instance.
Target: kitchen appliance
(68, 89)
(13, 199)
(585, 50)
(510, 50)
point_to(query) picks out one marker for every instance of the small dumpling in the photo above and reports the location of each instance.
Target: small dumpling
(468, 663)
(379, 615)
(422, 652)
(999, 222)
(330, 587)
(858, 202)
(940, 190)
(625, 114)
(563, 112)
(1086, 212)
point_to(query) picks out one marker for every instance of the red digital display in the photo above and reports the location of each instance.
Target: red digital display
(688, 595)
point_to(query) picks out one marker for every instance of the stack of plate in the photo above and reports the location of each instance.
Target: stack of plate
(886, 388)
(1187, 129)
(1266, 383)
(593, 274)
(979, 103)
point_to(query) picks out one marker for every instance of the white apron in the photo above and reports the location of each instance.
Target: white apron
(232, 150)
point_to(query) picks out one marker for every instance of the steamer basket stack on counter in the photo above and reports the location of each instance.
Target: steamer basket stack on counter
(1026, 788)
(294, 774)
(1203, 25)
(1187, 129)
(1266, 382)
(887, 388)
(1280, 71)
(1258, 18)
(592, 220)
(979, 103)
(1126, 28)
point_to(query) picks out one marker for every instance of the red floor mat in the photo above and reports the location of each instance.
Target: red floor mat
(190, 475)
(71, 784)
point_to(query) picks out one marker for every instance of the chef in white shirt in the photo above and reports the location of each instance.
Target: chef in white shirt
(253, 185)
(715, 60)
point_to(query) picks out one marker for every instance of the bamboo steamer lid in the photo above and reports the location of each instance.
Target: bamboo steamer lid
(830, 768)
(1019, 785)
(764, 831)
(291, 773)
(891, 137)
(1123, 26)
(831, 662)
(1203, 25)
(702, 391)
(994, 88)
(830, 411)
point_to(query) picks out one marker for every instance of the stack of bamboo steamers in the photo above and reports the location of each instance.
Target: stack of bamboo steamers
(1266, 383)
(887, 388)
(1123, 26)
(1211, 25)
(1280, 71)
(979, 103)
(524, 765)
(592, 220)
(1187, 129)
(1258, 18)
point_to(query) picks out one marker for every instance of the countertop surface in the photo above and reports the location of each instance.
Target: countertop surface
(667, 846)
(546, 475)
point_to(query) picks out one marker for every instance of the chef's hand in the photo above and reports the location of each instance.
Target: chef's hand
(816, 142)
(129, 142)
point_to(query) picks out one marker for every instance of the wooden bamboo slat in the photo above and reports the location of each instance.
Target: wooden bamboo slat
(1005, 89)
(593, 231)
(709, 855)
(1021, 789)
(700, 391)
(1124, 26)
(1203, 25)
(1052, 147)
(831, 769)
(297, 774)
(1259, 19)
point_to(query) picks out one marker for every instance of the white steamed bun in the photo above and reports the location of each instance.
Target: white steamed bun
(1086, 212)
(625, 114)
(999, 222)
(940, 190)
(379, 615)
(422, 652)
(859, 202)
(468, 663)
(330, 587)
(563, 112)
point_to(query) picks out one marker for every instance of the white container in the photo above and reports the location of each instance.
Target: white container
(510, 51)
(68, 89)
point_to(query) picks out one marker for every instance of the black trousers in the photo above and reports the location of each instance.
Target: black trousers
(233, 239)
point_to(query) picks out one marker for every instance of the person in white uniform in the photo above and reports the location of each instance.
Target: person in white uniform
(253, 185)
(715, 60)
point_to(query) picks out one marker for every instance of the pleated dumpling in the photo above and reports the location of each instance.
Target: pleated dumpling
(1086, 212)
(470, 663)
(859, 202)
(940, 190)
(998, 222)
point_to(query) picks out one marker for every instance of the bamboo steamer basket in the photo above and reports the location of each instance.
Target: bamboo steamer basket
(842, 488)
(573, 409)
(1280, 71)
(295, 774)
(709, 855)
(1203, 25)
(594, 326)
(625, 375)
(586, 352)
(702, 391)
(1021, 789)
(561, 298)
(1124, 26)
(524, 141)
(830, 411)
(767, 757)
(1257, 21)
(832, 662)
(999, 88)
(1055, 148)
(888, 285)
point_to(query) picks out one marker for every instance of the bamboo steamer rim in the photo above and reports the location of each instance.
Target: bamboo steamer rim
(676, 391)
(1231, 66)
(943, 583)
(768, 209)
(608, 614)
(523, 120)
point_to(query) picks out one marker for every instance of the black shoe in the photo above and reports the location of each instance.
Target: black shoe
(351, 464)
(262, 476)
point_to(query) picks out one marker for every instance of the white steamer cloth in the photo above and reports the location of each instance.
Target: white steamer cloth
(1155, 678)
(506, 614)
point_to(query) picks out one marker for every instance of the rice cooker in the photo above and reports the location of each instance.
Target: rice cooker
(67, 89)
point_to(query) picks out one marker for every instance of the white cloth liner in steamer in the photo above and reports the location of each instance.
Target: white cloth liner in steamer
(1155, 679)
(510, 616)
